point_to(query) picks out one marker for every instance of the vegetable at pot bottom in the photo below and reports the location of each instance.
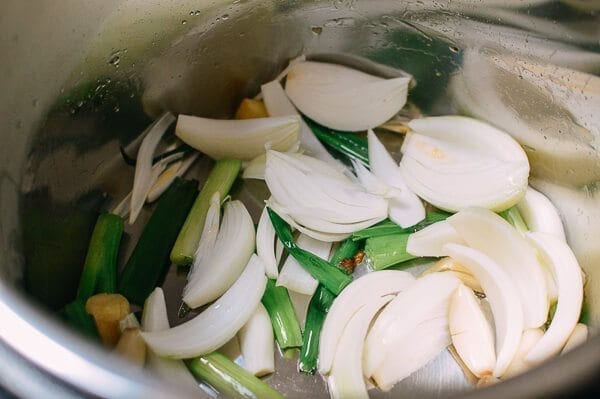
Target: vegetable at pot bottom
(283, 317)
(315, 317)
(108, 310)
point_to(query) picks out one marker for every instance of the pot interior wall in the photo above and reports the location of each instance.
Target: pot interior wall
(61, 160)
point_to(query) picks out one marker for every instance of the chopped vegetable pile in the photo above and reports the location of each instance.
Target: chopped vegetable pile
(449, 249)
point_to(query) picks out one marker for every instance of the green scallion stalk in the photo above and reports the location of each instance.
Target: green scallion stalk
(513, 216)
(333, 278)
(149, 262)
(99, 273)
(348, 144)
(386, 251)
(229, 379)
(75, 315)
(315, 317)
(283, 316)
(387, 227)
(219, 180)
(347, 249)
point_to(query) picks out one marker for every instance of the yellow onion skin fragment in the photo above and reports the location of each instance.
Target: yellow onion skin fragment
(490, 234)
(471, 333)
(518, 365)
(346, 377)
(427, 298)
(567, 275)
(502, 295)
(356, 295)
(455, 162)
(218, 323)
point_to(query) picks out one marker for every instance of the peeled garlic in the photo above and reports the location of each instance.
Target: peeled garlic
(518, 365)
(454, 162)
(471, 333)
(503, 298)
(343, 98)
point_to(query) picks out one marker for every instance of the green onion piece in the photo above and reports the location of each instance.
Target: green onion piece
(315, 317)
(229, 379)
(283, 317)
(333, 278)
(149, 262)
(387, 227)
(348, 144)
(386, 251)
(100, 268)
(347, 249)
(75, 315)
(513, 216)
(219, 180)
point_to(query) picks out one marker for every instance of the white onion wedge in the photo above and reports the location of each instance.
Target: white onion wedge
(578, 337)
(454, 162)
(343, 98)
(278, 104)
(450, 265)
(220, 268)
(293, 276)
(503, 297)
(540, 214)
(431, 240)
(417, 348)
(405, 208)
(518, 365)
(265, 244)
(489, 233)
(240, 139)
(144, 173)
(346, 377)
(356, 295)
(471, 333)
(321, 199)
(257, 343)
(255, 168)
(218, 323)
(177, 169)
(567, 275)
(427, 298)
(154, 318)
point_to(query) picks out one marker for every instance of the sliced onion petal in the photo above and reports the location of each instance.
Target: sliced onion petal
(257, 343)
(518, 365)
(240, 139)
(177, 169)
(218, 323)
(227, 259)
(356, 295)
(208, 238)
(540, 214)
(578, 337)
(567, 274)
(265, 244)
(430, 240)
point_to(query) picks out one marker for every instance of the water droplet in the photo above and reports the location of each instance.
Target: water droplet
(317, 30)
(192, 13)
(19, 124)
(183, 22)
(117, 109)
(225, 17)
(80, 103)
(454, 49)
(114, 59)
(197, 13)
(35, 102)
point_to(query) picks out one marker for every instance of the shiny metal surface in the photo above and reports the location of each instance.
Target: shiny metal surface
(78, 79)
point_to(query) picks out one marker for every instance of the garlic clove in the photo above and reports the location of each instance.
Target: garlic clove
(518, 365)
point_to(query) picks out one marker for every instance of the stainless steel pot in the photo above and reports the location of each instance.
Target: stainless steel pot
(78, 78)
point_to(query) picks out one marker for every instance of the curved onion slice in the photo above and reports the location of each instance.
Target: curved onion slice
(154, 318)
(356, 295)
(578, 337)
(448, 264)
(405, 208)
(430, 240)
(540, 214)
(218, 323)
(293, 276)
(278, 104)
(177, 169)
(425, 299)
(220, 268)
(567, 275)
(265, 244)
(487, 232)
(320, 198)
(257, 343)
(343, 98)
(145, 174)
(417, 348)
(454, 162)
(518, 365)
(471, 333)
(238, 138)
(503, 298)
(208, 239)
(346, 377)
